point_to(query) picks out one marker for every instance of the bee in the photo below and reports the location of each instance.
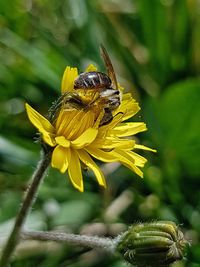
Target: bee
(104, 85)
(96, 89)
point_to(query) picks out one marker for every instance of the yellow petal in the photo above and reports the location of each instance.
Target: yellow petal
(127, 161)
(87, 160)
(128, 129)
(66, 121)
(126, 96)
(116, 120)
(61, 140)
(42, 124)
(101, 155)
(74, 171)
(128, 107)
(48, 139)
(139, 160)
(91, 67)
(69, 76)
(99, 118)
(79, 124)
(85, 138)
(60, 158)
(137, 146)
(111, 143)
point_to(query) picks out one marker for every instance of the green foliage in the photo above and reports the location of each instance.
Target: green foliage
(154, 46)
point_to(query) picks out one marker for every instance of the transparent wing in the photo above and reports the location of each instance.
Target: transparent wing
(109, 66)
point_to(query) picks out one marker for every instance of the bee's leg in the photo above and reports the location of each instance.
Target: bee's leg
(107, 117)
(52, 112)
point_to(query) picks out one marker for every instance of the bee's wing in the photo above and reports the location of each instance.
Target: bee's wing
(109, 66)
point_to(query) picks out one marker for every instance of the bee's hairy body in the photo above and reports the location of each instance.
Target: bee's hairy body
(94, 90)
(92, 80)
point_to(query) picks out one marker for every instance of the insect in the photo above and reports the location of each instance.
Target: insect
(105, 85)
(95, 90)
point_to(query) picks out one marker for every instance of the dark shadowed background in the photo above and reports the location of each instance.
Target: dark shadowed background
(154, 46)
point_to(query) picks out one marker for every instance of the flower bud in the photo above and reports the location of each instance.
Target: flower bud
(152, 244)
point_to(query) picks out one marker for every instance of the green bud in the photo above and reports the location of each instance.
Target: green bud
(152, 244)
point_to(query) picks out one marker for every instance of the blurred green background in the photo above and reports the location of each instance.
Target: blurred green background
(154, 46)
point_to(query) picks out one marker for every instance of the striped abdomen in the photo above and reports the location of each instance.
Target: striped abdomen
(93, 79)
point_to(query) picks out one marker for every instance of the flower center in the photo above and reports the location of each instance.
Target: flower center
(71, 123)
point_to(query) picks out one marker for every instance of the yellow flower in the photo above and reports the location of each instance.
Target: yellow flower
(77, 137)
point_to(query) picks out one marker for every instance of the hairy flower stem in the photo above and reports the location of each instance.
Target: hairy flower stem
(24, 209)
(79, 240)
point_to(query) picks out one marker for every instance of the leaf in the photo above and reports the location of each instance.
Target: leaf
(175, 121)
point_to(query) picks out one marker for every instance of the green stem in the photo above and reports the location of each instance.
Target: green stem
(24, 209)
(107, 244)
